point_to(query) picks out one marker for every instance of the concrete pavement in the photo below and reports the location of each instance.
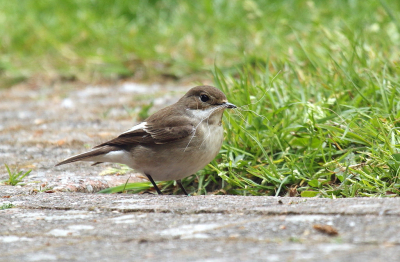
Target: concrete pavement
(97, 227)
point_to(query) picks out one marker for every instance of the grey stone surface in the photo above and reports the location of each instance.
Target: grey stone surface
(81, 227)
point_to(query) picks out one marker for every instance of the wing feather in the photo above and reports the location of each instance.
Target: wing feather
(149, 134)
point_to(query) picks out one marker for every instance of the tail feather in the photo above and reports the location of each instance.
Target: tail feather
(90, 155)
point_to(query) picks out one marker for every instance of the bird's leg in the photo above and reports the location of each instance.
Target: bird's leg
(154, 184)
(180, 185)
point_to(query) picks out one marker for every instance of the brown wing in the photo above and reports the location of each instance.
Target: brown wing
(150, 135)
(169, 134)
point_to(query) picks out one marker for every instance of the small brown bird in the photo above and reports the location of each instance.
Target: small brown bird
(173, 143)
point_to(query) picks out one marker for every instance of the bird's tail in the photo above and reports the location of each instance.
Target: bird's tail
(96, 155)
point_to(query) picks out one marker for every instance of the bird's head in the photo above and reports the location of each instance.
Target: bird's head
(205, 99)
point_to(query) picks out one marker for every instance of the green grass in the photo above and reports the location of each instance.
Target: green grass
(317, 82)
(331, 138)
(15, 177)
(6, 206)
(101, 39)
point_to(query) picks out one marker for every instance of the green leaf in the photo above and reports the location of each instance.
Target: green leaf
(314, 183)
(396, 157)
(309, 193)
(141, 186)
(349, 135)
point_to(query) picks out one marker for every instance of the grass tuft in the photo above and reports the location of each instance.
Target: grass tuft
(15, 177)
(322, 136)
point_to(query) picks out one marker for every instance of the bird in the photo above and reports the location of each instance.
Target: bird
(173, 143)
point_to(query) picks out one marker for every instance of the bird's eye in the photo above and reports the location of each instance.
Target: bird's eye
(204, 98)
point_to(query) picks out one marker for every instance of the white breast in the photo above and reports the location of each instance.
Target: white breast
(174, 161)
(179, 159)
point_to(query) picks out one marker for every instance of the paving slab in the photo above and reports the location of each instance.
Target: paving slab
(66, 226)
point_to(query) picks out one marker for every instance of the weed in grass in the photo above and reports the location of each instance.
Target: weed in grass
(15, 177)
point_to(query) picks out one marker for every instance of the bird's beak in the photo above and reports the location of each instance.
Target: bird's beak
(229, 105)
